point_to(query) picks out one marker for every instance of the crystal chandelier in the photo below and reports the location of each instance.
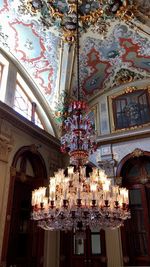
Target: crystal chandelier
(77, 200)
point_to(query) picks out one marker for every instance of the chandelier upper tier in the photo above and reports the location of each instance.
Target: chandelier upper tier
(62, 14)
(76, 199)
(79, 139)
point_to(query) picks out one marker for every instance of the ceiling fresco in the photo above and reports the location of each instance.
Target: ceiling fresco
(36, 50)
(62, 15)
(102, 59)
(114, 45)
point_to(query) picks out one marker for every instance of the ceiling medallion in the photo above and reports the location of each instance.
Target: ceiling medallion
(62, 14)
(124, 76)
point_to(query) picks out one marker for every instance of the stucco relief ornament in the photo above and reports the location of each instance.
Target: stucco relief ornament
(62, 14)
(5, 149)
(137, 152)
(125, 76)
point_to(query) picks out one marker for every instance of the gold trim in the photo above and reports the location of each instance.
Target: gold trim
(127, 90)
(94, 109)
(60, 67)
(137, 152)
(72, 69)
(34, 148)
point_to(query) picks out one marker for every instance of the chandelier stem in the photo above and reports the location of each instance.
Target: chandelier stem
(78, 73)
(77, 50)
(79, 170)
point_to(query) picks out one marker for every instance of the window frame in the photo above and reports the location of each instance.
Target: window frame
(123, 95)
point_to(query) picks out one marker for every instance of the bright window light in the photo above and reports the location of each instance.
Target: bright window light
(4, 64)
(23, 102)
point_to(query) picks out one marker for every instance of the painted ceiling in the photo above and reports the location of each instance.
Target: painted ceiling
(114, 43)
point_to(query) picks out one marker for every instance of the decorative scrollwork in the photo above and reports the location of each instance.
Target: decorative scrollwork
(63, 14)
(137, 153)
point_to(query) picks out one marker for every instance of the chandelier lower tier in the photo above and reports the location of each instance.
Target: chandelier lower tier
(76, 201)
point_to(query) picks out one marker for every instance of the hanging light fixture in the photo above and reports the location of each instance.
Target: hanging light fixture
(76, 201)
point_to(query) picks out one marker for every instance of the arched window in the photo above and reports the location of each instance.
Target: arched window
(4, 64)
(1, 71)
(24, 105)
(20, 93)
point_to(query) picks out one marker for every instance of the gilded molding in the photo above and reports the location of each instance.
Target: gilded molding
(108, 166)
(137, 152)
(34, 148)
(63, 14)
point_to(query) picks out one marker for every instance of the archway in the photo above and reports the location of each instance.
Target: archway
(23, 240)
(135, 172)
(84, 247)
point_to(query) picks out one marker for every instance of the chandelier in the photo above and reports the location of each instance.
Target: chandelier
(75, 199)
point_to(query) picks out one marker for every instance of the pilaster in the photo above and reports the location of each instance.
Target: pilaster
(5, 149)
(113, 248)
(51, 249)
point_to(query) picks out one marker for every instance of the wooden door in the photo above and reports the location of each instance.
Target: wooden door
(23, 242)
(25, 246)
(137, 229)
(83, 249)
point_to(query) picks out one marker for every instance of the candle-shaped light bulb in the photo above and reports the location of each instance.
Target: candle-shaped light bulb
(70, 170)
(52, 188)
(115, 191)
(106, 188)
(33, 198)
(124, 195)
(41, 193)
(45, 203)
(93, 190)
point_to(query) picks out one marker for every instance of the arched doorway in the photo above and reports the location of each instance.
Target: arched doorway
(78, 249)
(23, 240)
(135, 172)
(83, 248)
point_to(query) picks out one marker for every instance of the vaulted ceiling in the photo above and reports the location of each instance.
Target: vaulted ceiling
(114, 44)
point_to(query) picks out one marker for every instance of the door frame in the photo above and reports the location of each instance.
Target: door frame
(135, 154)
(40, 172)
